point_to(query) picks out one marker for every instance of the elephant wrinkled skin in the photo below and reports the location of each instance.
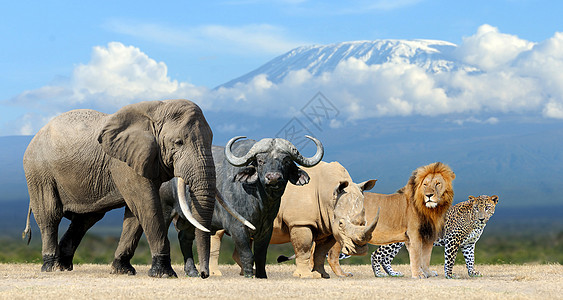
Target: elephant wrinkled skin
(84, 163)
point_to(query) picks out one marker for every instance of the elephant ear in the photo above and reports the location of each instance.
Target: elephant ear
(128, 136)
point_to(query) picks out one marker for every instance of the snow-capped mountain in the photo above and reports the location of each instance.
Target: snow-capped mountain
(431, 55)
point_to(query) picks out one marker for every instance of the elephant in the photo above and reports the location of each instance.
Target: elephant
(84, 163)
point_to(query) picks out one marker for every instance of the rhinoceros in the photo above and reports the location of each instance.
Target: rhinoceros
(328, 210)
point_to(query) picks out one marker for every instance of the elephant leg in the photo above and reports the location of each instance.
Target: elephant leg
(319, 255)
(214, 253)
(236, 258)
(80, 223)
(333, 259)
(186, 238)
(48, 213)
(130, 236)
(50, 250)
(142, 198)
(302, 240)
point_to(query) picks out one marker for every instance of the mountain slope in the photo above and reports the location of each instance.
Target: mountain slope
(431, 55)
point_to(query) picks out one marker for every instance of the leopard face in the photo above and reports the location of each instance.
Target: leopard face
(483, 208)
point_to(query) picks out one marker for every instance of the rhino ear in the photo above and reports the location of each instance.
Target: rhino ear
(247, 175)
(298, 176)
(367, 185)
(127, 136)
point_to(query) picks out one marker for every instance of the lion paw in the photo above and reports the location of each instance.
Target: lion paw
(420, 275)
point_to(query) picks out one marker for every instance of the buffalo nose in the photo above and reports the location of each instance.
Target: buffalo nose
(272, 177)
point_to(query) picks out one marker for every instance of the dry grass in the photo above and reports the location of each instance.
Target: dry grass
(25, 281)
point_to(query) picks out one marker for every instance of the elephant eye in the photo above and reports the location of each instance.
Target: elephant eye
(178, 142)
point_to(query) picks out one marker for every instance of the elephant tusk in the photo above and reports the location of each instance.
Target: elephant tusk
(185, 207)
(233, 212)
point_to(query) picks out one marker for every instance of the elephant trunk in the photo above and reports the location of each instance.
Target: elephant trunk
(203, 208)
(200, 178)
(185, 206)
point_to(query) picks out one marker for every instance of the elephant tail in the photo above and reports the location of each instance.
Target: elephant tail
(283, 258)
(27, 230)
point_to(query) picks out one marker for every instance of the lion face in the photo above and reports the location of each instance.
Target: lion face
(433, 187)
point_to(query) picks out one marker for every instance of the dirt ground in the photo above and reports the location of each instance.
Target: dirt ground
(25, 281)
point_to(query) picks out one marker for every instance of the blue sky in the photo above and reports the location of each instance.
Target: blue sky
(198, 45)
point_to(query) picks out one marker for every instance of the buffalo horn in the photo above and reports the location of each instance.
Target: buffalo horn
(297, 157)
(261, 146)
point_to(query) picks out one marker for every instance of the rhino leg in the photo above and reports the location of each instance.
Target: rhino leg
(302, 240)
(214, 253)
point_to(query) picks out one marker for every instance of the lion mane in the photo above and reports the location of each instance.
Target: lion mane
(431, 219)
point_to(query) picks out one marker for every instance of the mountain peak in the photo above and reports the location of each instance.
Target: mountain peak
(432, 55)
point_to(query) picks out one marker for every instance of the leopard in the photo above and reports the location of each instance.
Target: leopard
(463, 227)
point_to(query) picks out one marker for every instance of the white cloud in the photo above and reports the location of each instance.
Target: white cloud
(116, 75)
(489, 49)
(526, 80)
(491, 120)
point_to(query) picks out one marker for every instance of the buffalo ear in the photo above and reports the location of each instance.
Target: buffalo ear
(367, 185)
(298, 176)
(247, 175)
(127, 136)
(339, 189)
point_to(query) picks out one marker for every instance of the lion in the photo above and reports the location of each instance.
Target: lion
(415, 214)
